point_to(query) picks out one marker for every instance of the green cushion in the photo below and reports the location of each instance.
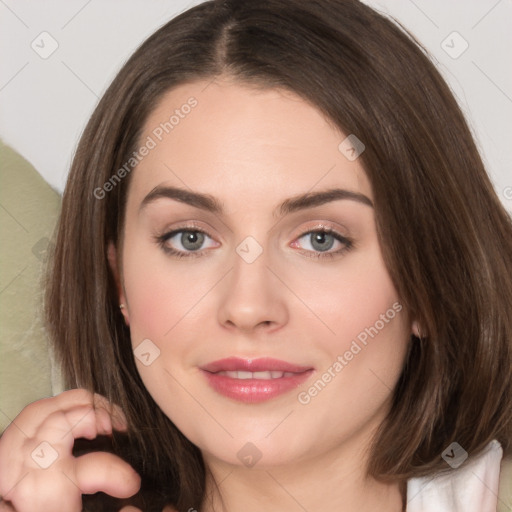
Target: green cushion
(29, 209)
(505, 491)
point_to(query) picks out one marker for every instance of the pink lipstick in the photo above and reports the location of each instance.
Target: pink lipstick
(254, 380)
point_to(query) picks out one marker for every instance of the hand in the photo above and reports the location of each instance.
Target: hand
(37, 468)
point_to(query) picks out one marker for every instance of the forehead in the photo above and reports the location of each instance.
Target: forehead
(230, 139)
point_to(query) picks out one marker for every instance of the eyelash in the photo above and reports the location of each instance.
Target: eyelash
(162, 239)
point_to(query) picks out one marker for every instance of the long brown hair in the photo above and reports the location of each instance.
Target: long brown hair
(445, 236)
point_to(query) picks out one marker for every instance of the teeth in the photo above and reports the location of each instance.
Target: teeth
(264, 375)
(256, 375)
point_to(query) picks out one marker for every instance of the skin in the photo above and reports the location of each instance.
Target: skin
(252, 149)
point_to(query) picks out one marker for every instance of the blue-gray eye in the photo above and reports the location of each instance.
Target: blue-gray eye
(192, 240)
(321, 241)
(318, 243)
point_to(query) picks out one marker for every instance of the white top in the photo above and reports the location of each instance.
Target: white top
(471, 487)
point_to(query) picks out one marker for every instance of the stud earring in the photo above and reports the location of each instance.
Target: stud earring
(121, 306)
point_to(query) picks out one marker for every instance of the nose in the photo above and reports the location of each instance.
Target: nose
(252, 297)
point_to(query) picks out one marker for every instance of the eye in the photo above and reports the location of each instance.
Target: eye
(184, 242)
(189, 242)
(321, 241)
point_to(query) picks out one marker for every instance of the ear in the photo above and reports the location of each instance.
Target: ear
(416, 330)
(112, 261)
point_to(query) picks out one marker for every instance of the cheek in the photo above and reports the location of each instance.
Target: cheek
(148, 303)
(160, 294)
(365, 356)
(362, 350)
(350, 298)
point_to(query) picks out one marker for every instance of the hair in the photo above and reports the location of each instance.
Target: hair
(445, 237)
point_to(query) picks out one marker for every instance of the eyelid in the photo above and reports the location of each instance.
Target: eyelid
(188, 226)
(314, 226)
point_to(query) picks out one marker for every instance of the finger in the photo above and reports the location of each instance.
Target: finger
(97, 401)
(71, 397)
(32, 417)
(116, 414)
(64, 426)
(82, 397)
(34, 414)
(105, 472)
(129, 508)
(83, 421)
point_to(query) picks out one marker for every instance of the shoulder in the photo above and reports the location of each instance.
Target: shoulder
(459, 489)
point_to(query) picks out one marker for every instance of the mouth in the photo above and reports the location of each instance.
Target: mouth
(254, 380)
(265, 375)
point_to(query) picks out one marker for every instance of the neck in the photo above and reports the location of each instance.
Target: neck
(332, 481)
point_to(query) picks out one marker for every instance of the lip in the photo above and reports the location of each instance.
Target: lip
(254, 390)
(260, 364)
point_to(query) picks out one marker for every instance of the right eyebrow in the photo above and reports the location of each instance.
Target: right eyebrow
(195, 199)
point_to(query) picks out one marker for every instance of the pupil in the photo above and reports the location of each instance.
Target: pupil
(192, 240)
(320, 238)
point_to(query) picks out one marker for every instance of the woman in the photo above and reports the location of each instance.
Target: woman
(280, 256)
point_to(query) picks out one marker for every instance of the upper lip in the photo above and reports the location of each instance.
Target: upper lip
(253, 365)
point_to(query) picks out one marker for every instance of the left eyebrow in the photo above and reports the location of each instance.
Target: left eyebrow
(310, 200)
(210, 203)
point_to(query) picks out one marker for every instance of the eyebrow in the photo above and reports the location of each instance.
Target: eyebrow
(211, 204)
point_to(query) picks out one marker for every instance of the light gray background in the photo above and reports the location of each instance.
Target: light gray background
(45, 102)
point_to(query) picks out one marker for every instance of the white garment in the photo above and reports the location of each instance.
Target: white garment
(472, 487)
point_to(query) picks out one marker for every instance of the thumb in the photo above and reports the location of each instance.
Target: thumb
(105, 472)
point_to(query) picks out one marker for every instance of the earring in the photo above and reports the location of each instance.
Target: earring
(121, 306)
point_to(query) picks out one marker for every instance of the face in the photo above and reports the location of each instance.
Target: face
(264, 326)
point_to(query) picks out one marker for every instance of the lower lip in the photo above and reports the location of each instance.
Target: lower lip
(253, 391)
